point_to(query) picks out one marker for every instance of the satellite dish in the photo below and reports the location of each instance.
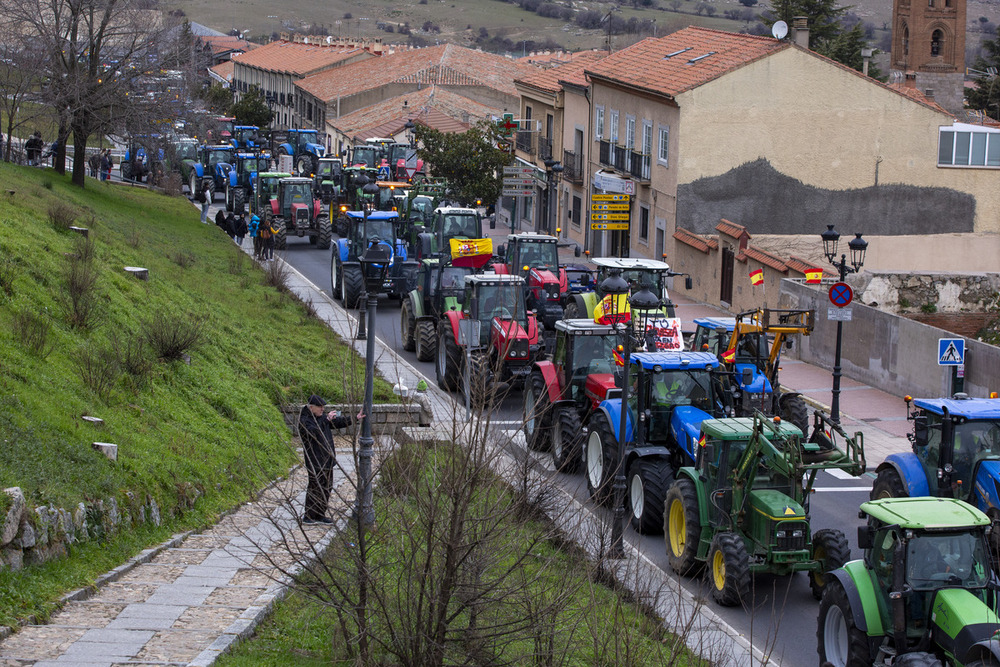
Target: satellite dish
(779, 29)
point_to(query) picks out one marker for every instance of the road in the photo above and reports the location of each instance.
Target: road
(783, 616)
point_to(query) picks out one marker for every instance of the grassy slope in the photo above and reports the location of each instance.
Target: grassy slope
(213, 425)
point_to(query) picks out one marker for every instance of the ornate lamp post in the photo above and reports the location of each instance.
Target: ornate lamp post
(375, 268)
(552, 170)
(368, 188)
(858, 246)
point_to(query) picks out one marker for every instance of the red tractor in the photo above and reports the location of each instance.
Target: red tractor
(507, 343)
(561, 393)
(535, 257)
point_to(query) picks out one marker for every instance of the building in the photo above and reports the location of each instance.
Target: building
(928, 49)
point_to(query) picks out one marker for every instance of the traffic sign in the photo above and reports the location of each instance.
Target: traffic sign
(839, 314)
(951, 351)
(623, 198)
(516, 192)
(841, 294)
(383, 173)
(609, 207)
(517, 171)
(510, 181)
(609, 216)
(609, 226)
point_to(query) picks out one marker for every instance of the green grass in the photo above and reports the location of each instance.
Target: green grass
(211, 429)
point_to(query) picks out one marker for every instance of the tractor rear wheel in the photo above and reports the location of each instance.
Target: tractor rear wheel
(127, 170)
(567, 439)
(228, 198)
(600, 458)
(335, 277)
(426, 340)
(280, 236)
(353, 285)
(571, 311)
(239, 200)
(449, 355)
(831, 549)
(407, 325)
(306, 165)
(194, 184)
(888, 484)
(325, 236)
(839, 641)
(682, 527)
(537, 412)
(729, 569)
(794, 411)
(648, 481)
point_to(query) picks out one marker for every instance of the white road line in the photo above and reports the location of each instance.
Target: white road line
(829, 489)
(840, 474)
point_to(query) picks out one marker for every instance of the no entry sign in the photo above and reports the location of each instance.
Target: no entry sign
(841, 294)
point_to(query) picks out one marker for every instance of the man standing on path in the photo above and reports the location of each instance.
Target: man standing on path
(206, 201)
(316, 433)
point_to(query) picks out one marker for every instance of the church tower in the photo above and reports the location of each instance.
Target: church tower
(928, 49)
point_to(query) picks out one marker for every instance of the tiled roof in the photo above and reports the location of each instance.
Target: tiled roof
(732, 229)
(225, 43)
(917, 96)
(693, 240)
(224, 70)
(683, 60)
(764, 258)
(446, 64)
(551, 78)
(800, 265)
(432, 106)
(294, 58)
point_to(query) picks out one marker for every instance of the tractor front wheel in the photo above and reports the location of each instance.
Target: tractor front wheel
(239, 200)
(407, 325)
(537, 427)
(729, 569)
(682, 527)
(567, 439)
(426, 340)
(794, 411)
(352, 286)
(335, 277)
(482, 391)
(648, 481)
(324, 237)
(888, 484)
(839, 641)
(600, 458)
(831, 550)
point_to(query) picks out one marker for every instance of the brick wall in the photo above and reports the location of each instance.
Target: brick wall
(963, 324)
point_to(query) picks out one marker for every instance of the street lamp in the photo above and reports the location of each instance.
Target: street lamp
(857, 246)
(375, 268)
(552, 170)
(368, 188)
(409, 130)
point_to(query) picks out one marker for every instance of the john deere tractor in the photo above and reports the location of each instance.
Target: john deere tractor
(346, 272)
(922, 594)
(743, 508)
(329, 180)
(294, 210)
(448, 223)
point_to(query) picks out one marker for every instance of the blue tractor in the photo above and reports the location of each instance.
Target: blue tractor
(346, 272)
(212, 165)
(956, 454)
(670, 394)
(246, 137)
(305, 149)
(241, 176)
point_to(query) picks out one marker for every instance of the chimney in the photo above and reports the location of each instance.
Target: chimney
(800, 31)
(910, 81)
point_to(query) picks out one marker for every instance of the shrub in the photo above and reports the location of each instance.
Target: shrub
(82, 298)
(928, 308)
(170, 337)
(133, 357)
(134, 238)
(85, 249)
(237, 261)
(183, 258)
(61, 215)
(98, 368)
(8, 273)
(276, 275)
(33, 330)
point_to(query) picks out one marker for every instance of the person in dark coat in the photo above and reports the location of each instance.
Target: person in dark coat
(231, 226)
(220, 219)
(241, 228)
(316, 432)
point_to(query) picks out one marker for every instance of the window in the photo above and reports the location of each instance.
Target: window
(644, 224)
(630, 132)
(577, 206)
(664, 153)
(962, 145)
(599, 123)
(936, 38)
(614, 126)
(549, 125)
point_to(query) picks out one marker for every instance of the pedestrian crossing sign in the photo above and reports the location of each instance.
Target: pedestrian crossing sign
(951, 351)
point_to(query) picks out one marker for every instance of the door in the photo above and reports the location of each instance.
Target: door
(658, 248)
(728, 263)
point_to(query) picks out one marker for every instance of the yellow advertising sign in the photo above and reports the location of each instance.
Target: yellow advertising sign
(624, 198)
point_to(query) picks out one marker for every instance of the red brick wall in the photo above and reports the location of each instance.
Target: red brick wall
(963, 324)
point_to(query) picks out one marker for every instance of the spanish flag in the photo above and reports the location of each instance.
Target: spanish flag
(619, 359)
(471, 252)
(704, 439)
(729, 356)
(613, 309)
(814, 275)
(757, 277)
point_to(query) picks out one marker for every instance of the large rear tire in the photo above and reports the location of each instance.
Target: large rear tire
(306, 164)
(682, 527)
(839, 641)
(648, 481)
(335, 277)
(448, 358)
(353, 286)
(325, 236)
(228, 197)
(831, 549)
(194, 184)
(729, 569)
(426, 340)
(239, 200)
(600, 458)
(536, 412)
(795, 411)
(888, 484)
(126, 170)
(407, 325)
(567, 439)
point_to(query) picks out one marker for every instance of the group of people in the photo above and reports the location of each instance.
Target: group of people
(235, 226)
(100, 164)
(262, 236)
(33, 148)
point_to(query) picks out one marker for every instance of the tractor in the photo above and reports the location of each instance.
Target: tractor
(265, 188)
(294, 210)
(417, 205)
(329, 175)
(507, 341)
(135, 163)
(743, 508)
(561, 393)
(956, 454)
(305, 150)
(222, 129)
(535, 257)
(246, 137)
(346, 271)
(212, 164)
(352, 196)
(749, 346)
(179, 150)
(448, 223)
(922, 594)
(240, 179)
(670, 394)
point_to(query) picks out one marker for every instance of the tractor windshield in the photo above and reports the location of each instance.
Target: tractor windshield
(461, 225)
(364, 155)
(453, 280)
(636, 278)
(252, 166)
(296, 193)
(592, 354)
(421, 209)
(752, 348)
(217, 156)
(379, 229)
(328, 169)
(268, 187)
(187, 151)
(670, 388)
(539, 256)
(974, 441)
(936, 560)
(505, 301)
(307, 137)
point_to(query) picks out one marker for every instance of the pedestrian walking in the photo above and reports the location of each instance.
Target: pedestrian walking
(253, 228)
(94, 164)
(241, 228)
(268, 235)
(316, 432)
(231, 226)
(33, 148)
(205, 198)
(107, 163)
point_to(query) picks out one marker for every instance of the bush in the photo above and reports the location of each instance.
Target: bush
(170, 337)
(276, 275)
(237, 261)
(133, 357)
(33, 330)
(98, 369)
(61, 216)
(82, 297)
(85, 250)
(183, 258)
(8, 272)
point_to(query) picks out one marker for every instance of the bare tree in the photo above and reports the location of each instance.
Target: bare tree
(19, 83)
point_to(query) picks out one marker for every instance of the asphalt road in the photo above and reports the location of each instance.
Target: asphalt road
(782, 618)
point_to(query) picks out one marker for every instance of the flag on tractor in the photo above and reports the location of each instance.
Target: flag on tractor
(729, 356)
(814, 275)
(473, 253)
(613, 309)
(757, 277)
(619, 359)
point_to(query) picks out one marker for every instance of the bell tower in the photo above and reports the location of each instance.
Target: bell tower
(928, 49)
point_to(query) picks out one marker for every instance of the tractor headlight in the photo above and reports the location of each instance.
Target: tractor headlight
(780, 534)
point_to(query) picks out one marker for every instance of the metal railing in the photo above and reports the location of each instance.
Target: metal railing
(604, 152)
(524, 142)
(572, 166)
(544, 148)
(639, 165)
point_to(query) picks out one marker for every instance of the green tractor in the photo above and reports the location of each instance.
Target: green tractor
(923, 594)
(440, 288)
(265, 188)
(744, 507)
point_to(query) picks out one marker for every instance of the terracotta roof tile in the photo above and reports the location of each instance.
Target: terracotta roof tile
(295, 58)
(223, 43)
(917, 96)
(434, 107)
(765, 258)
(712, 242)
(732, 229)
(446, 64)
(692, 239)
(551, 79)
(683, 60)
(224, 70)
(800, 265)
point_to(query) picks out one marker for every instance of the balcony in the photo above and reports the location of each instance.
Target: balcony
(604, 152)
(638, 166)
(572, 167)
(544, 148)
(525, 142)
(619, 158)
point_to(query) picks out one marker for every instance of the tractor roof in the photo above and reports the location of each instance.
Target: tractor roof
(727, 323)
(532, 236)
(493, 279)
(248, 156)
(455, 210)
(296, 179)
(273, 174)
(741, 428)
(969, 408)
(631, 263)
(374, 215)
(675, 360)
(925, 513)
(584, 327)
(330, 158)
(222, 147)
(246, 127)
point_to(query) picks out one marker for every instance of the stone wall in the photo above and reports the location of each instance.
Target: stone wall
(927, 292)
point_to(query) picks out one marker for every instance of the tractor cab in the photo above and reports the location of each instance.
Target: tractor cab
(213, 155)
(329, 173)
(535, 257)
(246, 136)
(508, 334)
(376, 226)
(185, 148)
(265, 189)
(712, 334)
(582, 349)
(294, 197)
(448, 223)
(366, 156)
